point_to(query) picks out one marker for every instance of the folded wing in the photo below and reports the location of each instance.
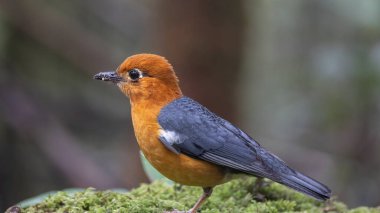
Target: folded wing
(191, 129)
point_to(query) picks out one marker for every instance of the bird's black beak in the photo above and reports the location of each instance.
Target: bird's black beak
(108, 76)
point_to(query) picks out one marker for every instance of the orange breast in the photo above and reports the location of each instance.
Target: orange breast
(177, 167)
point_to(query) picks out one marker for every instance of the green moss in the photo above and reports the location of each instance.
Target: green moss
(234, 196)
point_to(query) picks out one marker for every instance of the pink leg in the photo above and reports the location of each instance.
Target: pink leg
(207, 191)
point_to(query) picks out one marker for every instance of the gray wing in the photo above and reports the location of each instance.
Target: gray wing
(191, 129)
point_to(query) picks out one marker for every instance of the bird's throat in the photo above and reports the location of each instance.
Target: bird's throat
(152, 97)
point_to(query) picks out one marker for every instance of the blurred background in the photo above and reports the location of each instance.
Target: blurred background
(301, 77)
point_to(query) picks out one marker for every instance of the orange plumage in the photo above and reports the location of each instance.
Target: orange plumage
(147, 99)
(186, 142)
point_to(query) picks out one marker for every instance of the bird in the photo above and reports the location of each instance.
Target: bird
(188, 143)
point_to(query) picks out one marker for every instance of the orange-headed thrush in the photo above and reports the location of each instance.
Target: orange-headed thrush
(188, 143)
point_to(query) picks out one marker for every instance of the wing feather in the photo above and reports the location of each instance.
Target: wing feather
(203, 135)
(211, 138)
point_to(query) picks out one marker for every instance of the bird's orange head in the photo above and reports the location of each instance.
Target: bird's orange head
(145, 77)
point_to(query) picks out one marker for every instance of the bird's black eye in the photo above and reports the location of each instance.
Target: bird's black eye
(134, 74)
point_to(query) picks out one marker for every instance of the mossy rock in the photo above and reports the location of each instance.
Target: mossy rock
(234, 196)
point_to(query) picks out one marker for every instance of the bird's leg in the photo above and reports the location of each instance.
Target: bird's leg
(207, 191)
(258, 184)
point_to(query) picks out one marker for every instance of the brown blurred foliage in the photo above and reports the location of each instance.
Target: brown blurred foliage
(301, 77)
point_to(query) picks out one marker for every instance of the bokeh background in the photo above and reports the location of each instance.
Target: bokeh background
(301, 77)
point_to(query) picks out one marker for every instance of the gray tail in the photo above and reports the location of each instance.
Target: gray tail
(306, 185)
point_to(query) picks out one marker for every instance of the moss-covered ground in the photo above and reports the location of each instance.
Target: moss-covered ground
(235, 196)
